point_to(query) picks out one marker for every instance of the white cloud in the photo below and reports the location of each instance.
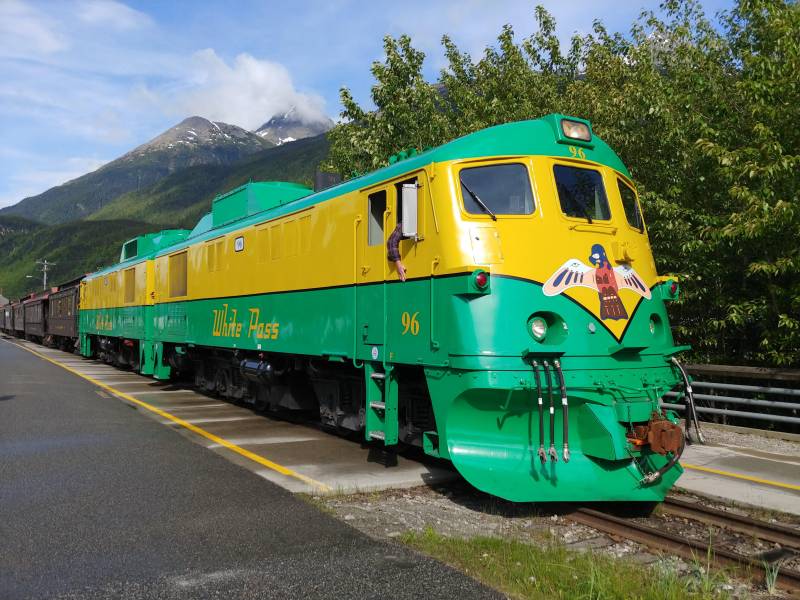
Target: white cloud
(112, 14)
(245, 93)
(26, 32)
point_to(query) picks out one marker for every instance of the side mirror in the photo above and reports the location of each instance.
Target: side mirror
(410, 210)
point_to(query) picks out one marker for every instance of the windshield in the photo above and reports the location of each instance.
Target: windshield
(497, 190)
(581, 193)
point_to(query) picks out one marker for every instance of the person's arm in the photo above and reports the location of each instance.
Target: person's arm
(393, 251)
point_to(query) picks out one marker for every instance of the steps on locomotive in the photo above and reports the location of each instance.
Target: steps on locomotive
(382, 422)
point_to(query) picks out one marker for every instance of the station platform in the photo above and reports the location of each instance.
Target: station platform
(737, 473)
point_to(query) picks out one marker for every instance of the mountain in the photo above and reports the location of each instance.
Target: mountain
(289, 127)
(193, 141)
(180, 199)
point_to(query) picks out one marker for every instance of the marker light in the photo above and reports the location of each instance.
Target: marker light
(538, 328)
(481, 279)
(576, 130)
(673, 288)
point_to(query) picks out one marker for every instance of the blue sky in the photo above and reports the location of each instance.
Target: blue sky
(84, 81)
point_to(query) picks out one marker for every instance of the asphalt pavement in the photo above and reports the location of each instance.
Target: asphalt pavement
(100, 501)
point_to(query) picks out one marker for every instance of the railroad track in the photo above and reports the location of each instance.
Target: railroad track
(787, 537)
(657, 539)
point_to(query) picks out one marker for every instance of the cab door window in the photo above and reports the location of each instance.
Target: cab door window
(377, 207)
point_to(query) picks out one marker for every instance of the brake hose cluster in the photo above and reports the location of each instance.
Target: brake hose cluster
(692, 410)
(548, 377)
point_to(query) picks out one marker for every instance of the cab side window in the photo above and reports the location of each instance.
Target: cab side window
(632, 211)
(377, 206)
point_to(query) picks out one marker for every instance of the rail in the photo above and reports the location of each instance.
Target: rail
(750, 396)
(659, 539)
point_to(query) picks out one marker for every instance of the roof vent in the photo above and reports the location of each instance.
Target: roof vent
(324, 180)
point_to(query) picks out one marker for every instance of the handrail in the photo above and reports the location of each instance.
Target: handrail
(763, 400)
(356, 362)
(775, 374)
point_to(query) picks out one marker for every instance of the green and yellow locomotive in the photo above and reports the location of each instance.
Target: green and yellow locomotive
(529, 344)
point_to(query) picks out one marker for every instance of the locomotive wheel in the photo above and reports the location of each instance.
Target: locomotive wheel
(261, 399)
(222, 380)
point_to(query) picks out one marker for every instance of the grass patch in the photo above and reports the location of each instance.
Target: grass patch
(551, 571)
(317, 502)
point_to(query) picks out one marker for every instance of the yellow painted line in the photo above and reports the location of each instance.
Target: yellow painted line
(779, 484)
(193, 428)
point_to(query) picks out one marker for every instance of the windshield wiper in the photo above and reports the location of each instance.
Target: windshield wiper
(585, 210)
(564, 192)
(480, 202)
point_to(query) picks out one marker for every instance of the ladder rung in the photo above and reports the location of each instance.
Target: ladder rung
(377, 435)
(378, 375)
(378, 405)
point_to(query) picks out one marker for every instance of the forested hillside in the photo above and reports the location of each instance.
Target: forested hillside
(77, 248)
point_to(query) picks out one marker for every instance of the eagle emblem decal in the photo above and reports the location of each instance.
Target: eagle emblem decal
(606, 280)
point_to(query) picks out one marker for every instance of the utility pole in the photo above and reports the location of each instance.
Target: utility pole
(45, 265)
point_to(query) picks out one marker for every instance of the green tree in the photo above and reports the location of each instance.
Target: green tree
(759, 169)
(407, 113)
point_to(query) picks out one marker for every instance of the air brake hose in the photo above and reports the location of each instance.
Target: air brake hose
(552, 451)
(692, 416)
(656, 475)
(542, 455)
(565, 407)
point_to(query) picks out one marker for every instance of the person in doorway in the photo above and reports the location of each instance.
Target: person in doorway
(393, 250)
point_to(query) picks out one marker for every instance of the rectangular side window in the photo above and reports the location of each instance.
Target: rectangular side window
(262, 241)
(305, 234)
(130, 285)
(220, 263)
(177, 275)
(275, 240)
(632, 211)
(290, 236)
(211, 257)
(582, 193)
(377, 206)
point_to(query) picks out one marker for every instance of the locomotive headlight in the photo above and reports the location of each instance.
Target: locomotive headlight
(576, 130)
(538, 328)
(652, 326)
